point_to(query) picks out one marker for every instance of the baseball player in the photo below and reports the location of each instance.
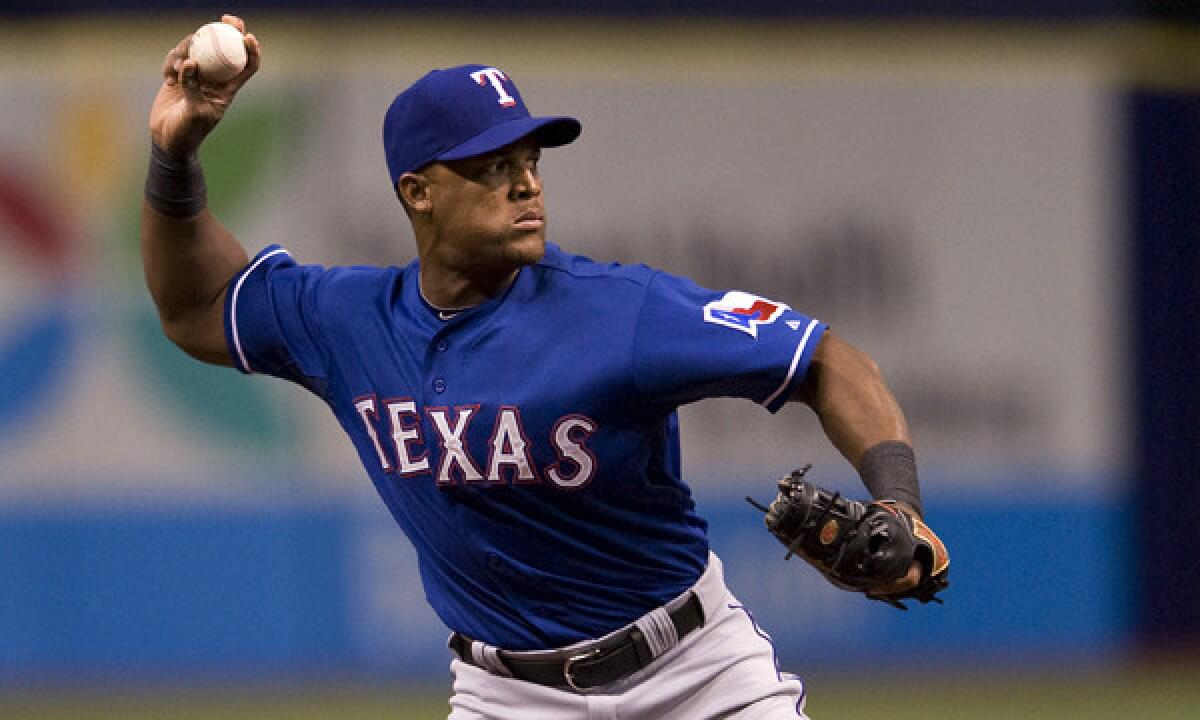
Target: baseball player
(515, 405)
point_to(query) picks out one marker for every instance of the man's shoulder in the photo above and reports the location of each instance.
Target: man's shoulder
(571, 266)
(334, 285)
(364, 275)
(277, 257)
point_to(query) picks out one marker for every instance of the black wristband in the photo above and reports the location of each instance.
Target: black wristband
(175, 186)
(889, 470)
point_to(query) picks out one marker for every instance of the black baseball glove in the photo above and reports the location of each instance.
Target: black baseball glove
(856, 546)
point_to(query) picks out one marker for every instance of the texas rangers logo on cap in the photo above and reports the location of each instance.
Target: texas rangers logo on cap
(496, 77)
(743, 311)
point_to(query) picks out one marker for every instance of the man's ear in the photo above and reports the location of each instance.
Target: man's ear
(413, 190)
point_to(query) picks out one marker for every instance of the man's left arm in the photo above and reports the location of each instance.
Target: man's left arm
(861, 417)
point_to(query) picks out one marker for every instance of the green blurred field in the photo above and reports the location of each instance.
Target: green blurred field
(1159, 692)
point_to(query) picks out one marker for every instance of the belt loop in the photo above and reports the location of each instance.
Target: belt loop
(479, 654)
(659, 631)
(488, 657)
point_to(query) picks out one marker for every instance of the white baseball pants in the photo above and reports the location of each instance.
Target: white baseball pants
(725, 669)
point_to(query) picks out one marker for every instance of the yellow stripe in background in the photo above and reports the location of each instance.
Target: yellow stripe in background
(716, 50)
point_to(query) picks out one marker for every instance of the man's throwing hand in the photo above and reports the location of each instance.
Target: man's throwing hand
(186, 110)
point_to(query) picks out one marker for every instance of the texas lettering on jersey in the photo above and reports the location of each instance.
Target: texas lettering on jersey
(395, 429)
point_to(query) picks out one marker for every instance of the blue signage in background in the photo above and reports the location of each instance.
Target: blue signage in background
(228, 594)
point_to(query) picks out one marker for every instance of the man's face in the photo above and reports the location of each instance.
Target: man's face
(488, 209)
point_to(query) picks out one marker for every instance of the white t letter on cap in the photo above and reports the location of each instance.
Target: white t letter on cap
(494, 76)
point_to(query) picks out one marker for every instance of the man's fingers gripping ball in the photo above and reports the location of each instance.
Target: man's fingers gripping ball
(856, 546)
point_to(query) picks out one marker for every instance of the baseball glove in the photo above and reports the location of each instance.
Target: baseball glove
(856, 546)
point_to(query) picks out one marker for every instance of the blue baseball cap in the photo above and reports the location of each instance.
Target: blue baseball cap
(461, 112)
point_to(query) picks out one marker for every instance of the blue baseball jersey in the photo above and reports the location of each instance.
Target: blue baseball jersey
(528, 446)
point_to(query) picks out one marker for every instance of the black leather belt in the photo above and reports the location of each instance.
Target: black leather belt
(590, 666)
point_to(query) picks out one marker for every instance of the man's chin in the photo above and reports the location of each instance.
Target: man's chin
(527, 250)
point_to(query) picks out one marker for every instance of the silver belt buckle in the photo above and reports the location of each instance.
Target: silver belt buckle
(571, 662)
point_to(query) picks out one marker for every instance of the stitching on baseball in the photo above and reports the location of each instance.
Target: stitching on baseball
(216, 43)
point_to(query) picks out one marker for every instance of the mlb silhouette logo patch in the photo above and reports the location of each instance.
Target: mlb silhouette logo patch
(743, 311)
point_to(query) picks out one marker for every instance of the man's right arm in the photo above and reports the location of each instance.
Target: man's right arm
(189, 258)
(188, 264)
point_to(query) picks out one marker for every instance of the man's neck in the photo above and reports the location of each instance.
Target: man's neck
(452, 292)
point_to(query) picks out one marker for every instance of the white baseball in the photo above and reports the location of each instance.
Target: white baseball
(219, 51)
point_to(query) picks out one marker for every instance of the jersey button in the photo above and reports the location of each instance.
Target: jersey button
(439, 385)
(442, 345)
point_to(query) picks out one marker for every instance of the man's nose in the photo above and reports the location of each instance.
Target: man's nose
(527, 183)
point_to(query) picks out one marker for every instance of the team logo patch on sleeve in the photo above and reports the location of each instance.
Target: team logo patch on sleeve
(743, 311)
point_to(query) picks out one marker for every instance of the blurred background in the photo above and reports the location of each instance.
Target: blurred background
(999, 201)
